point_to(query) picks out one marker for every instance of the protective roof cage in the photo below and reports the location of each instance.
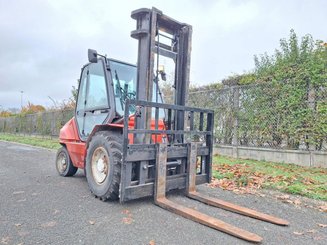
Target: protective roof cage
(140, 159)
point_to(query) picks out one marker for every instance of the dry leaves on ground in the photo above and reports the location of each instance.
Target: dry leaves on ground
(256, 179)
(127, 220)
(243, 179)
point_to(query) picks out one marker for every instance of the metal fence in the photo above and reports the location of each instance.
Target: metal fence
(286, 115)
(42, 124)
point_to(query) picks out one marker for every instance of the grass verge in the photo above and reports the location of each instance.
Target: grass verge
(248, 175)
(30, 140)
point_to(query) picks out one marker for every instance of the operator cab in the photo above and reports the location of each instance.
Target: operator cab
(104, 86)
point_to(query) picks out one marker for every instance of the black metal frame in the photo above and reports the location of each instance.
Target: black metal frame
(142, 157)
(150, 23)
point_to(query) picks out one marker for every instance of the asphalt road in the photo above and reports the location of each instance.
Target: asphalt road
(39, 207)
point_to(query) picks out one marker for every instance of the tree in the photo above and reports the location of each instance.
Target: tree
(5, 114)
(74, 92)
(300, 61)
(292, 107)
(31, 109)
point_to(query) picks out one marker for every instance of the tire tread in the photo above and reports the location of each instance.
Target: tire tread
(115, 143)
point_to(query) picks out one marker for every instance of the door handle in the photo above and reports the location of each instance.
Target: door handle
(104, 111)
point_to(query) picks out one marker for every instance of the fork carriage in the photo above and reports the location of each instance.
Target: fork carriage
(143, 157)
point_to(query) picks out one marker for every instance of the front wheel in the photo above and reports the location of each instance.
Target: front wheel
(103, 164)
(64, 164)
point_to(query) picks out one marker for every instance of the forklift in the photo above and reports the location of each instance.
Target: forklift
(132, 145)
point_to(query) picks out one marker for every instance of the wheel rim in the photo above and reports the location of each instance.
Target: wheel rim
(62, 162)
(100, 165)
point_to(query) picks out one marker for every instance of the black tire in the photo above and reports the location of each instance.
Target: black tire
(64, 164)
(107, 144)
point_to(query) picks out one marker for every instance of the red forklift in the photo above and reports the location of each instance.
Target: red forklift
(131, 144)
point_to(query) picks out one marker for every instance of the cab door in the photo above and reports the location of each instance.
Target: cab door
(93, 99)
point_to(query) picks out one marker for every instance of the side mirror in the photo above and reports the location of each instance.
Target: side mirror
(92, 55)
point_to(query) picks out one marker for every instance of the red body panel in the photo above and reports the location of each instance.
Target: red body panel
(77, 148)
(161, 126)
(69, 136)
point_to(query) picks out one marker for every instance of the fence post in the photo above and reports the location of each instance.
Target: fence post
(236, 97)
(311, 104)
(20, 124)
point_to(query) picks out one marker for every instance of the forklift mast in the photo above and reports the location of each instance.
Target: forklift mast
(161, 37)
(151, 27)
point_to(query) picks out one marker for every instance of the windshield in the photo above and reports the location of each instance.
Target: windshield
(124, 78)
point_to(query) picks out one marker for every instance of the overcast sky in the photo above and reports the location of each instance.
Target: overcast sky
(43, 44)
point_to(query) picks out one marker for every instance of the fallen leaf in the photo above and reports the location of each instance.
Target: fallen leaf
(152, 242)
(92, 222)
(323, 208)
(18, 225)
(283, 197)
(298, 233)
(49, 224)
(125, 211)
(311, 231)
(322, 225)
(23, 233)
(297, 202)
(319, 238)
(5, 240)
(18, 192)
(127, 220)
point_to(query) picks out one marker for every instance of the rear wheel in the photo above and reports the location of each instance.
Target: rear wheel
(103, 164)
(64, 164)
